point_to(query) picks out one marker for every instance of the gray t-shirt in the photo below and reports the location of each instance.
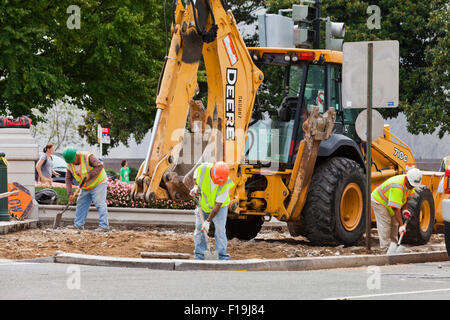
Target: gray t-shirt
(46, 167)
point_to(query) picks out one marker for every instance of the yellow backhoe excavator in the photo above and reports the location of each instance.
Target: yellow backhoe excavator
(299, 161)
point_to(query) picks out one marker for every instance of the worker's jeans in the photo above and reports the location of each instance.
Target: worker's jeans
(220, 221)
(387, 225)
(98, 196)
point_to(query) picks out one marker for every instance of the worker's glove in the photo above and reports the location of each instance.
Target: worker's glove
(205, 226)
(194, 192)
(402, 229)
(406, 214)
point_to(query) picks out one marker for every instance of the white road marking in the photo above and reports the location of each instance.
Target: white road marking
(388, 294)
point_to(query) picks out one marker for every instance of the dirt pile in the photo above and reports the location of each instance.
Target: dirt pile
(269, 244)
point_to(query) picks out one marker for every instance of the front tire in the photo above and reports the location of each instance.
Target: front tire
(244, 229)
(335, 209)
(420, 227)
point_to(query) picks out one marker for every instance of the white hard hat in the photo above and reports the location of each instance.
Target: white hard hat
(414, 177)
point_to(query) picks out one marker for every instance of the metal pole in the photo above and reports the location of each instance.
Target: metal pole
(369, 142)
(316, 26)
(100, 137)
(4, 212)
(152, 140)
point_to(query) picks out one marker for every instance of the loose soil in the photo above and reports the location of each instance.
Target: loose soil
(269, 244)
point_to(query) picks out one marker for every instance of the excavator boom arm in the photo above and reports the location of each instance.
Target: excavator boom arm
(205, 30)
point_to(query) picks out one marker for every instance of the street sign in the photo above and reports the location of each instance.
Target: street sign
(106, 135)
(377, 125)
(21, 203)
(385, 74)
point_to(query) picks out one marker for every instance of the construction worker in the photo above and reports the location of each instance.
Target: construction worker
(445, 164)
(85, 166)
(389, 201)
(212, 187)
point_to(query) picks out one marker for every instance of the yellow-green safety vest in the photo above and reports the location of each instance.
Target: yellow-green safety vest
(208, 197)
(85, 168)
(446, 163)
(393, 193)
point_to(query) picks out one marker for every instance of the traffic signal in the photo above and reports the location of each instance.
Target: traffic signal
(333, 31)
(304, 17)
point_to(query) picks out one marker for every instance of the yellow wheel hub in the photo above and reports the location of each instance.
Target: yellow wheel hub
(425, 216)
(351, 207)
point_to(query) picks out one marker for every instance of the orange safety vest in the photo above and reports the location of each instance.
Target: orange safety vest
(85, 168)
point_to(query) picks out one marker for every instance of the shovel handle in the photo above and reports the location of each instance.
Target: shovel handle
(403, 233)
(79, 188)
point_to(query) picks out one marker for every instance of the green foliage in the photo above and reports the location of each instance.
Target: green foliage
(133, 173)
(421, 27)
(109, 67)
(111, 172)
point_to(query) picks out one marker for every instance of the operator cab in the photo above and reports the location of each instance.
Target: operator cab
(294, 80)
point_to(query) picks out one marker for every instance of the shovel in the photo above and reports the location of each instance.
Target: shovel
(58, 216)
(397, 248)
(208, 254)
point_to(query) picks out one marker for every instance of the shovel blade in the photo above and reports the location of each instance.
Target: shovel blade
(211, 255)
(392, 248)
(57, 221)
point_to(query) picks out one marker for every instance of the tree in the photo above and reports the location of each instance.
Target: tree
(108, 66)
(421, 27)
(59, 127)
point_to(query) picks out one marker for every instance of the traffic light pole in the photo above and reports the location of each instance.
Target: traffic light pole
(369, 144)
(316, 25)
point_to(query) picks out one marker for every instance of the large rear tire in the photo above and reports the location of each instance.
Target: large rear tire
(420, 227)
(334, 212)
(447, 236)
(244, 229)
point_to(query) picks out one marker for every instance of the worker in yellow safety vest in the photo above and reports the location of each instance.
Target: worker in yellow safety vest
(84, 166)
(445, 164)
(445, 167)
(212, 187)
(389, 201)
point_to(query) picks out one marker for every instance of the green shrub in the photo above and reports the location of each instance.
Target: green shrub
(111, 172)
(118, 195)
(133, 174)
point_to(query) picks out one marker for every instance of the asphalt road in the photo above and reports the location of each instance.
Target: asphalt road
(22, 280)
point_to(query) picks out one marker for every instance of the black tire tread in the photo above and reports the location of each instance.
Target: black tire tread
(317, 223)
(244, 229)
(447, 236)
(413, 234)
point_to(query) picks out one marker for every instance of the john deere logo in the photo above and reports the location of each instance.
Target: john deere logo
(230, 102)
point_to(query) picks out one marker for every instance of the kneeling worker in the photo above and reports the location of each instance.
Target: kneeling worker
(389, 200)
(212, 186)
(84, 165)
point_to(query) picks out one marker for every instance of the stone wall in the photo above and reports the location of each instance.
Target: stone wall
(21, 151)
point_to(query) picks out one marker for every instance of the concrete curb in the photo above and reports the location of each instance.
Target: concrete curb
(134, 217)
(291, 264)
(13, 226)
